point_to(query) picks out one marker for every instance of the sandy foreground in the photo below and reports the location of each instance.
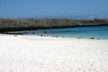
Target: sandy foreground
(48, 54)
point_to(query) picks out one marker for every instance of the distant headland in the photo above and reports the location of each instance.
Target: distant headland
(7, 25)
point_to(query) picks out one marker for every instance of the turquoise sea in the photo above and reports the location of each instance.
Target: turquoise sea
(98, 32)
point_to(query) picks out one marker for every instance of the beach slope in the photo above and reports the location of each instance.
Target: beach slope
(48, 54)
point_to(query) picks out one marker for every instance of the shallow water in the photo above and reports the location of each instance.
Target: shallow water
(99, 32)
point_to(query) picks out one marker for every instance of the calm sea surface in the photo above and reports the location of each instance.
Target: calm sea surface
(100, 32)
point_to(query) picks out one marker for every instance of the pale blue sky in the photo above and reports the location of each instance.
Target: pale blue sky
(47, 8)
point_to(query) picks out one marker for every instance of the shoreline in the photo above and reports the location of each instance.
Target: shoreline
(6, 30)
(34, 35)
(87, 32)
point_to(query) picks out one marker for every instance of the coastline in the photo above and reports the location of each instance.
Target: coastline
(78, 32)
(8, 25)
(54, 54)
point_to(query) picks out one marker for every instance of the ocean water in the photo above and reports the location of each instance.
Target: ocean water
(98, 32)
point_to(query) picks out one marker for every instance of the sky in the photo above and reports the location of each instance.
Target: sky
(54, 8)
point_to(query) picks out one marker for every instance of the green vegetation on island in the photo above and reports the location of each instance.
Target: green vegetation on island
(7, 25)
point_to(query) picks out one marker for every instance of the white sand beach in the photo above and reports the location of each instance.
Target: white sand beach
(49, 54)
